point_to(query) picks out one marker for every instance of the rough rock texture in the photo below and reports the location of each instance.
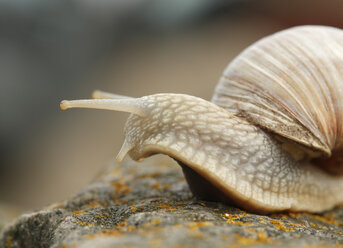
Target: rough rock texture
(150, 205)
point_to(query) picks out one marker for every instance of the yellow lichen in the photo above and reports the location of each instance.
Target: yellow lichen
(110, 232)
(145, 231)
(100, 216)
(280, 226)
(249, 230)
(170, 208)
(297, 225)
(328, 220)
(260, 239)
(281, 216)
(104, 233)
(156, 186)
(294, 215)
(152, 223)
(82, 223)
(121, 188)
(161, 204)
(151, 175)
(134, 209)
(196, 225)
(94, 204)
(9, 241)
(78, 212)
(123, 226)
(313, 225)
(167, 206)
(262, 221)
(234, 219)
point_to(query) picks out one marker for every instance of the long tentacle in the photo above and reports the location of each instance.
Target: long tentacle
(131, 105)
(98, 94)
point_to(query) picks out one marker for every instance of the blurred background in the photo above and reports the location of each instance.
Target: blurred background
(64, 49)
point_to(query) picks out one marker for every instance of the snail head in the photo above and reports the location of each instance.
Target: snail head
(160, 123)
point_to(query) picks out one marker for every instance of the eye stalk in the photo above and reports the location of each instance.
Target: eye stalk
(98, 94)
(109, 101)
(113, 102)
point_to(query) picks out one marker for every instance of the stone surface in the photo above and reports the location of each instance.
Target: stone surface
(150, 205)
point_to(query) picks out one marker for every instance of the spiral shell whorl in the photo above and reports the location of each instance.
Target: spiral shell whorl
(290, 83)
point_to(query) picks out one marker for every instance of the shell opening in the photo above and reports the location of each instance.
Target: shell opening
(333, 165)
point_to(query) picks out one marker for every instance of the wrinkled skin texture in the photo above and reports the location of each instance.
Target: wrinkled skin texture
(249, 167)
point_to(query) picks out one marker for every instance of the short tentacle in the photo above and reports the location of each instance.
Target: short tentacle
(126, 147)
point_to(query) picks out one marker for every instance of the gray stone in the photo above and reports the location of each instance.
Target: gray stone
(150, 205)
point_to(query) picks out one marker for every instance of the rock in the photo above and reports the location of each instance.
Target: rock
(150, 205)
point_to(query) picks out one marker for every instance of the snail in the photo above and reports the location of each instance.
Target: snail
(270, 140)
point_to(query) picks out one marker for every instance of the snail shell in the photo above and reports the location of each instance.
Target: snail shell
(272, 137)
(291, 84)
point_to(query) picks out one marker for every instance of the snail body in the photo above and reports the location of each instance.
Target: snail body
(271, 138)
